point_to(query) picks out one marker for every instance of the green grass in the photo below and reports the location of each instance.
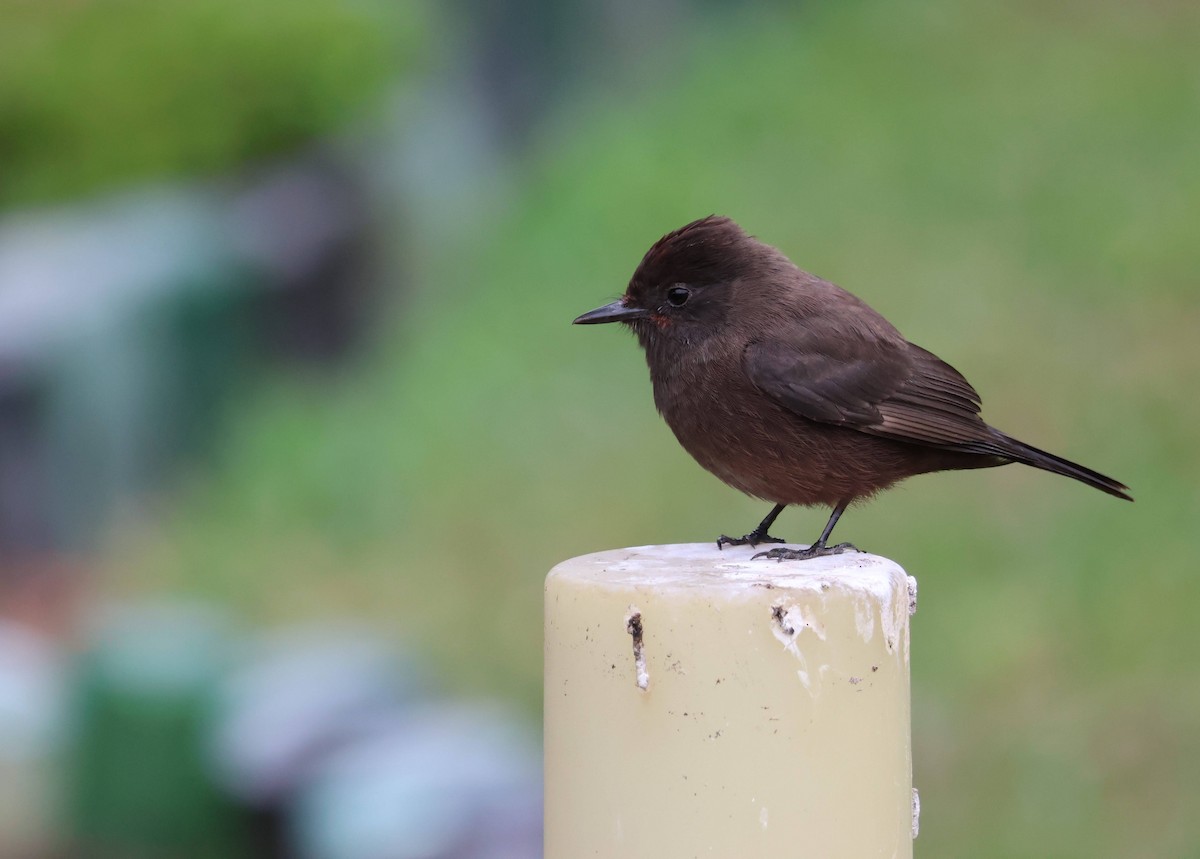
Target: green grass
(1014, 186)
(94, 96)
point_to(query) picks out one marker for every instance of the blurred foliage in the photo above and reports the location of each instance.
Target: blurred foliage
(93, 94)
(1014, 185)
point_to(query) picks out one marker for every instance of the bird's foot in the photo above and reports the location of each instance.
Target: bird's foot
(817, 550)
(751, 539)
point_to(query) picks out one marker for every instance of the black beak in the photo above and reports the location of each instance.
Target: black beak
(615, 312)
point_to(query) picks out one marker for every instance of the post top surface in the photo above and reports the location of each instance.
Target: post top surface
(690, 566)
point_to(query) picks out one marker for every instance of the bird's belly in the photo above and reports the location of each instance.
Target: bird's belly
(773, 454)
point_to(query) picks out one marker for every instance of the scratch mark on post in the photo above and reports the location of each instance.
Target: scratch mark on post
(916, 814)
(633, 625)
(780, 618)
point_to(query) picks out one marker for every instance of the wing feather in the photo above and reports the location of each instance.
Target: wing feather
(888, 388)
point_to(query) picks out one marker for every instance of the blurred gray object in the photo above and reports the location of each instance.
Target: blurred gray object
(296, 694)
(437, 782)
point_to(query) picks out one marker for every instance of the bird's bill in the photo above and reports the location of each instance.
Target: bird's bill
(615, 312)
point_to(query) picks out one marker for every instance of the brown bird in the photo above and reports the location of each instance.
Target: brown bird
(794, 391)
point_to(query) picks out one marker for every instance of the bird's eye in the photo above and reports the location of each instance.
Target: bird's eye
(677, 296)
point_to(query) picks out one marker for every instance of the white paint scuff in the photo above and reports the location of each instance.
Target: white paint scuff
(787, 625)
(879, 586)
(864, 618)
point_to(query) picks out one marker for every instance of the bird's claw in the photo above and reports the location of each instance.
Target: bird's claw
(751, 539)
(815, 551)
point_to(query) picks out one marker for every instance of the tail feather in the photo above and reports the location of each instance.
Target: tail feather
(1018, 451)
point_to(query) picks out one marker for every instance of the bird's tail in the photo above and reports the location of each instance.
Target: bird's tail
(1018, 451)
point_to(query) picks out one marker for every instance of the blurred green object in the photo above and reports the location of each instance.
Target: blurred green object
(97, 94)
(140, 778)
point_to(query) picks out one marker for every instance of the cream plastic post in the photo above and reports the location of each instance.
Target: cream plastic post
(699, 703)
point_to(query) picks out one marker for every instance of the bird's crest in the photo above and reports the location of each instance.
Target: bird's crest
(708, 250)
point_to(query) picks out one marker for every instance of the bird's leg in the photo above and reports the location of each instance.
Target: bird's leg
(818, 549)
(758, 535)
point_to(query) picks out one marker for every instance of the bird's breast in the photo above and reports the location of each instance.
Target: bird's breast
(751, 442)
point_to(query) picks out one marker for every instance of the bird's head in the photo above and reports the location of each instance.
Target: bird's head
(681, 290)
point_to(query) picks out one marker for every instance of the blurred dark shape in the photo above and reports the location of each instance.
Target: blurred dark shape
(305, 227)
(24, 461)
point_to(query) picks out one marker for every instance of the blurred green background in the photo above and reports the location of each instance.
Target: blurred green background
(1015, 186)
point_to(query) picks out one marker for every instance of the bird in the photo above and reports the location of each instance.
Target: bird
(795, 391)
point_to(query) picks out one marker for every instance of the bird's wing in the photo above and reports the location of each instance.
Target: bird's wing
(886, 388)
